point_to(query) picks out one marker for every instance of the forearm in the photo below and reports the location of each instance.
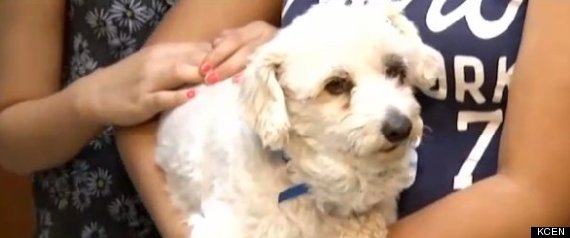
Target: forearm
(202, 20)
(137, 148)
(531, 188)
(43, 133)
(495, 207)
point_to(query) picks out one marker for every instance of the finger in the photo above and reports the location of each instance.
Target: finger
(196, 57)
(206, 46)
(223, 50)
(193, 54)
(223, 35)
(178, 75)
(237, 62)
(186, 74)
(177, 51)
(166, 100)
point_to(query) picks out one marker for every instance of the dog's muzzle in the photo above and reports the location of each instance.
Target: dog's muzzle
(396, 126)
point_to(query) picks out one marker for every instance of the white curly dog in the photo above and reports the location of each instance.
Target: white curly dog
(334, 92)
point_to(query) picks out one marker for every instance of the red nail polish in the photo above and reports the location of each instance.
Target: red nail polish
(212, 77)
(191, 93)
(205, 67)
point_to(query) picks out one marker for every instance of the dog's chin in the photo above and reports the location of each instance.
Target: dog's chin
(387, 149)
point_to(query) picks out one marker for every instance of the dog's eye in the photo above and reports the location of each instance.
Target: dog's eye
(398, 72)
(339, 85)
(395, 67)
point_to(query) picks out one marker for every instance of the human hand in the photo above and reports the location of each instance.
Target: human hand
(142, 85)
(232, 50)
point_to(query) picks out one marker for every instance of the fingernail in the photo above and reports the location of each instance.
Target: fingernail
(205, 68)
(212, 77)
(191, 93)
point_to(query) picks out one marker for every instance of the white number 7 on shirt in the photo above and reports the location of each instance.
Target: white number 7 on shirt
(493, 121)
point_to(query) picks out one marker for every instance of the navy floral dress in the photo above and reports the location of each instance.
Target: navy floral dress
(92, 196)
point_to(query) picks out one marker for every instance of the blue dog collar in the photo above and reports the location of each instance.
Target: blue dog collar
(293, 192)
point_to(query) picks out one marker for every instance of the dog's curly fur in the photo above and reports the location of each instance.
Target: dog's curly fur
(320, 91)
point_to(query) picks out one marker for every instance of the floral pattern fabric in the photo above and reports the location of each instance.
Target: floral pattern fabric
(92, 196)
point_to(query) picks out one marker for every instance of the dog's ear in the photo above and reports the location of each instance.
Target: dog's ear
(428, 68)
(262, 98)
(428, 64)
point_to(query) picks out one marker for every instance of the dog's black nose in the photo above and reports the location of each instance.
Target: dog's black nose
(396, 127)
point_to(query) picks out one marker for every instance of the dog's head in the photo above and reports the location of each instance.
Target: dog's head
(341, 79)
